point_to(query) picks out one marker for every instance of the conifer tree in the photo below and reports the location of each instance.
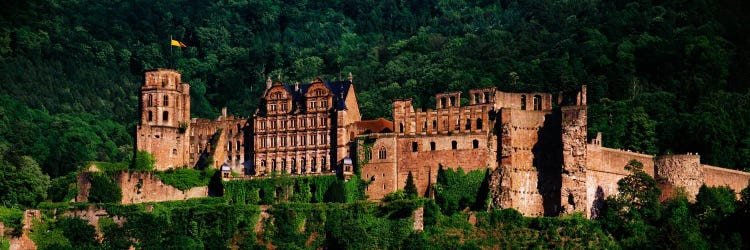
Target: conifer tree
(410, 188)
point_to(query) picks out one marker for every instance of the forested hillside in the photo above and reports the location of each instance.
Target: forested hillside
(666, 76)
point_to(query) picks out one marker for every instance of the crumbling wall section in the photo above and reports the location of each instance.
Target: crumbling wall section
(139, 187)
(573, 190)
(674, 171)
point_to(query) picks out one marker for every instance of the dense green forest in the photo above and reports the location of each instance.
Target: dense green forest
(663, 77)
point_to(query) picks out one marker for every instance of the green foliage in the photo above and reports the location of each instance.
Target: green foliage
(63, 188)
(111, 166)
(410, 189)
(455, 191)
(186, 178)
(79, 233)
(144, 161)
(104, 188)
(22, 182)
(314, 189)
(46, 236)
(12, 218)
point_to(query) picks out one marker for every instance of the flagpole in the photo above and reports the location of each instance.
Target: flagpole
(171, 58)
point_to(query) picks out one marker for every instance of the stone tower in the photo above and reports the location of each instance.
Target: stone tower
(574, 129)
(165, 119)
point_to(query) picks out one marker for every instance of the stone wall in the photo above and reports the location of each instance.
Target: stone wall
(139, 187)
(673, 171)
(716, 176)
(573, 189)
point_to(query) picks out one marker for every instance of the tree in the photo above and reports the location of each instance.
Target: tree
(410, 188)
(22, 182)
(144, 161)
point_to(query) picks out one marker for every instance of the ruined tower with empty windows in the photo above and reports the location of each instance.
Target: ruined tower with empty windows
(165, 118)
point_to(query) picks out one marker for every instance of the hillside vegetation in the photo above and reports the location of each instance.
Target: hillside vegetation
(666, 76)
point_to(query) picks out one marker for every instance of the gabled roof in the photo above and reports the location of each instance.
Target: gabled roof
(375, 126)
(339, 90)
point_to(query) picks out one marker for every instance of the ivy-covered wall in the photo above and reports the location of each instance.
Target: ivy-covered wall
(308, 189)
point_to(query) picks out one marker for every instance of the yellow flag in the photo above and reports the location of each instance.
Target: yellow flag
(178, 44)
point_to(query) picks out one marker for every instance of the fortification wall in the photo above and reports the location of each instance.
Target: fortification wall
(139, 187)
(716, 176)
(606, 166)
(471, 152)
(678, 171)
(380, 167)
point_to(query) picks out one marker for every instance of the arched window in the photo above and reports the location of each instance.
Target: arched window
(303, 164)
(294, 165)
(454, 145)
(382, 153)
(475, 143)
(414, 147)
(314, 164)
(432, 146)
(273, 165)
(400, 127)
(283, 165)
(150, 116)
(166, 100)
(479, 123)
(523, 102)
(165, 116)
(323, 164)
(468, 124)
(537, 102)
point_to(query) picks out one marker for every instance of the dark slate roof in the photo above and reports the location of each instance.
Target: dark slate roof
(339, 90)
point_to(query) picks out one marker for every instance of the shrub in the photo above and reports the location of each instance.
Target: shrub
(186, 178)
(144, 161)
(104, 189)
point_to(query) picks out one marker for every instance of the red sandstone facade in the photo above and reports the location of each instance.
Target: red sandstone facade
(540, 158)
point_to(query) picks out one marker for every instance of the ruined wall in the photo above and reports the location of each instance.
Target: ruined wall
(471, 153)
(380, 154)
(528, 165)
(606, 166)
(673, 171)
(139, 187)
(716, 176)
(573, 189)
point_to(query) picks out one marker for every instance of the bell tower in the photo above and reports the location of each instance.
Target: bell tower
(164, 124)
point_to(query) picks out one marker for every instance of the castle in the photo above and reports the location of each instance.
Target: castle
(535, 144)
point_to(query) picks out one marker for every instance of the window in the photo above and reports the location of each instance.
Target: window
(453, 101)
(229, 147)
(475, 143)
(150, 101)
(400, 127)
(238, 146)
(442, 102)
(434, 124)
(150, 116)
(424, 126)
(314, 164)
(468, 124)
(454, 145)
(486, 97)
(432, 146)
(368, 155)
(523, 102)
(382, 153)
(304, 165)
(537, 102)
(272, 106)
(283, 165)
(476, 98)
(479, 123)
(312, 104)
(166, 100)
(323, 165)
(273, 165)
(263, 164)
(414, 147)
(273, 124)
(323, 104)
(165, 116)
(283, 141)
(294, 165)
